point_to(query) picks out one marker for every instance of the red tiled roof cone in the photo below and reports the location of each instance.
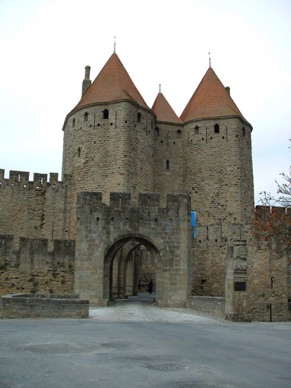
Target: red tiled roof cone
(113, 83)
(164, 111)
(210, 100)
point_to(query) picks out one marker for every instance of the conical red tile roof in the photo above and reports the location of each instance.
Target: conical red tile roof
(210, 100)
(113, 83)
(164, 111)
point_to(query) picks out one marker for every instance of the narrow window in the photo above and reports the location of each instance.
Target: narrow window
(179, 134)
(73, 123)
(105, 114)
(139, 117)
(240, 286)
(244, 131)
(157, 132)
(196, 129)
(79, 151)
(86, 114)
(216, 128)
(167, 165)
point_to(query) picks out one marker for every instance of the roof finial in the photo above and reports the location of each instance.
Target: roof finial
(160, 88)
(114, 50)
(209, 59)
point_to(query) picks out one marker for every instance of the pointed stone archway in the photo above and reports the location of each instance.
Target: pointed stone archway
(103, 230)
(121, 287)
(132, 267)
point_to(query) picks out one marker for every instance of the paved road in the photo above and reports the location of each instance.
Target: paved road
(139, 345)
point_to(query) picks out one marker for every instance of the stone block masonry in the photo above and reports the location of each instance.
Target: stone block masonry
(44, 306)
(102, 230)
(117, 152)
(214, 306)
(32, 268)
(34, 209)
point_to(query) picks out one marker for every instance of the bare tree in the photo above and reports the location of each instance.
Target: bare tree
(283, 191)
(273, 224)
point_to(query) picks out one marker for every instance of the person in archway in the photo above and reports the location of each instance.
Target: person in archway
(150, 286)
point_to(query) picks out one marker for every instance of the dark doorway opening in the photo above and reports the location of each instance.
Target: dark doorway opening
(129, 266)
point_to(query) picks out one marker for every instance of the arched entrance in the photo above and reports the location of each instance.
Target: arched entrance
(129, 264)
(110, 241)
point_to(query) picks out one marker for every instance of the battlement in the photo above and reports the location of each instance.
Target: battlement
(21, 178)
(148, 203)
(264, 211)
(222, 234)
(27, 265)
(36, 246)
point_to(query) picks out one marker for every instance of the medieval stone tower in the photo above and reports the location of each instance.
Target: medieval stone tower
(113, 142)
(133, 179)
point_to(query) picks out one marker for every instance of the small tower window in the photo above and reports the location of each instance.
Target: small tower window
(179, 134)
(196, 130)
(139, 117)
(86, 114)
(79, 151)
(244, 131)
(167, 165)
(73, 123)
(216, 128)
(157, 132)
(105, 114)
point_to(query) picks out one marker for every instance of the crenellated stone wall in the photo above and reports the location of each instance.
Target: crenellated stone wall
(269, 264)
(121, 150)
(106, 153)
(30, 267)
(102, 230)
(210, 256)
(34, 209)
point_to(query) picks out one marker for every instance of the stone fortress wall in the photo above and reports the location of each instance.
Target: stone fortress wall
(269, 280)
(33, 267)
(36, 253)
(122, 146)
(102, 229)
(34, 209)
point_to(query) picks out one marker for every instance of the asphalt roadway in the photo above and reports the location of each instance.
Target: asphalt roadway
(135, 344)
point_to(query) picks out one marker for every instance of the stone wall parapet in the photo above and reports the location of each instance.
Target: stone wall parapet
(148, 207)
(21, 178)
(44, 306)
(33, 267)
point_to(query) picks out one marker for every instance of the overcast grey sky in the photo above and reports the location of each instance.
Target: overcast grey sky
(45, 45)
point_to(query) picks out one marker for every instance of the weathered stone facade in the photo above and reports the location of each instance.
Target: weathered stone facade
(121, 214)
(32, 267)
(44, 306)
(102, 230)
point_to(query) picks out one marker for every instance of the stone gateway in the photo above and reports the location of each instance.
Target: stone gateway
(144, 195)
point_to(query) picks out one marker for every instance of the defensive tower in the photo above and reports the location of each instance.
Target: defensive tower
(131, 176)
(217, 149)
(108, 136)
